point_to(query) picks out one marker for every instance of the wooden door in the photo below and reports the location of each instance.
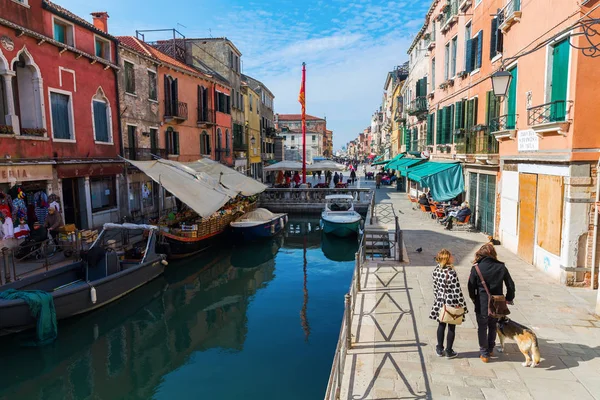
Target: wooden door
(527, 206)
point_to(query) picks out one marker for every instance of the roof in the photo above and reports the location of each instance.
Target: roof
(224, 39)
(134, 44)
(424, 27)
(74, 18)
(297, 117)
(256, 82)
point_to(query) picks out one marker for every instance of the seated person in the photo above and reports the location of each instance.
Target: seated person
(39, 233)
(460, 216)
(423, 200)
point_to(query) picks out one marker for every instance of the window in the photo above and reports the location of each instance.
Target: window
(203, 114)
(218, 149)
(559, 74)
(101, 117)
(102, 48)
(227, 145)
(467, 38)
(205, 144)
(446, 61)
(131, 141)
(103, 193)
(473, 52)
(223, 103)
(284, 137)
(63, 32)
(230, 59)
(453, 49)
(135, 192)
(129, 77)
(250, 99)
(154, 140)
(470, 114)
(293, 137)
(496, 39)
(172, 141)
(62, 116)
(314, 137)
(152, 86)
(432, 76)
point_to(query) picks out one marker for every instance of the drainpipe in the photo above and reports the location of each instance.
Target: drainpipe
(119, 128)
(595, 240)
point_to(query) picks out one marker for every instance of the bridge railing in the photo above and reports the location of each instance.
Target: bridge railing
(361, 196)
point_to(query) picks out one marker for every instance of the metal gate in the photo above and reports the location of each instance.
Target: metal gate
(486, 203)
(473, 193)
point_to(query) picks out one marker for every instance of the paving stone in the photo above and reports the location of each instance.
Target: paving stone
(466, 392)
(493, 394)
(479, 382)
(549, 388)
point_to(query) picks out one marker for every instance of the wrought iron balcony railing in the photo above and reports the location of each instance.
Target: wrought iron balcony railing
(178, 111)
(555, 111)
(206, 116)
(134, 153)
(450, 13)
(418, 106)
(503, 123)
(510, 14)
(476, 143)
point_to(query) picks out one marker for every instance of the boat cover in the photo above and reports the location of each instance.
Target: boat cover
(285, 166)
(260, 214)
(111, 226)
(228, 177)
(197, 190)
(41, 307)
(445, 180)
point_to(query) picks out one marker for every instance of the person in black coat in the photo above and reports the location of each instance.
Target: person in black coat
(495, 275)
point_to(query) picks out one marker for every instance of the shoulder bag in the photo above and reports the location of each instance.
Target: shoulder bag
(497, 306)
(448, 314)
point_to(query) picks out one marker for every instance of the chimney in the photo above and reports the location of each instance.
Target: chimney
(101, 20)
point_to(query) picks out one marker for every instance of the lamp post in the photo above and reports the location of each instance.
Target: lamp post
(500, 82)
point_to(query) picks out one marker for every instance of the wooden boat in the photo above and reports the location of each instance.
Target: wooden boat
(110, 272)
(258, 224)
(195, 236)
(339, 218)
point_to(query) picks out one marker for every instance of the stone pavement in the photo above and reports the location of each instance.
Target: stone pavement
(393, 353)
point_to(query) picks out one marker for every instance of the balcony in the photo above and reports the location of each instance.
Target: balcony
(267, 156)
(136, 154)
(450, 15)
(206, 117)
(550, 117)
(479, 145)
(418, 106)
(509, 15)
(179, 112)
(464, 5)
(504, 127)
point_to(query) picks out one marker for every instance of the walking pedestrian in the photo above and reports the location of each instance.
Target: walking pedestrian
(353, 176)
(336, 179)
(378, 178)
(449, 306)
(52, 223)
(488, 274)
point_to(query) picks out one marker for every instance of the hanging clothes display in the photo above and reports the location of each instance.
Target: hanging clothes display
(40, 200)
(54, 202)
(5, 203)
(19, 206)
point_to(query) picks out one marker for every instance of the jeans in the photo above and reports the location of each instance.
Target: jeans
(440, 336)
(486, 332)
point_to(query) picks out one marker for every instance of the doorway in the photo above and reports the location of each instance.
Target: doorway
(74, 202)
(527, 206)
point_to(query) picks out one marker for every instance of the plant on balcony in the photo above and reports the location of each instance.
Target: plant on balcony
(6, 130)
(430, 95)
(459, 131)
(449, 82)
(33, 131)
(440, 16)
(479, 128)
(443, 85)
(426, 36)
(462, 74)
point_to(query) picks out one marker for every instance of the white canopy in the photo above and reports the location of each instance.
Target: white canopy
(197, 190)
(228, 177)
(285, 166)
(326, 165)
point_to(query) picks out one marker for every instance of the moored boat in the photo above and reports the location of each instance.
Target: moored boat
(110, 270)
(339, 218)
(257, 224)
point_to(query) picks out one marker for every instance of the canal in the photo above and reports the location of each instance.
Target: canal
(258, 321)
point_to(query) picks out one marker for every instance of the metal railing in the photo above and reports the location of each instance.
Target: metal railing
(177, 111)
(361, 196)
(503, 123)
(206, 116)
(555, 111)
(134, 153)
(476, 143)
(451, 11)
(508, 12)
(417, 106)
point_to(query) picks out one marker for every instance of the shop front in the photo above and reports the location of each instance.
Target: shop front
(25, 191)
(90, 193)
(481, 193)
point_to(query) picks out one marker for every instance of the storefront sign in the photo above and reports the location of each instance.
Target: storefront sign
(25, 173)
(528, 140)
(82, 170)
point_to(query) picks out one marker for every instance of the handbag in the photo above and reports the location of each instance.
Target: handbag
(497, 305)
(448, 314)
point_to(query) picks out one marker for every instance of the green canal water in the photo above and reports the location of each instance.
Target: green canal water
(258, 321)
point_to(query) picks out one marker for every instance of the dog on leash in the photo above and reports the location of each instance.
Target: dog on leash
(493, 241)
(525, 338)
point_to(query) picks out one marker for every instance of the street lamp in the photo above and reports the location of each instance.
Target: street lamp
(500, 82)
(253, 141)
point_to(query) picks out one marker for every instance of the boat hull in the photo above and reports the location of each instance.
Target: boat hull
(15, 315)
(264, 230)
(178, 247)
(341, 229)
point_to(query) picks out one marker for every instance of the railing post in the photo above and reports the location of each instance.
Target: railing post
(357, 270)
(6, 253)
(340, 376)
(348, 320)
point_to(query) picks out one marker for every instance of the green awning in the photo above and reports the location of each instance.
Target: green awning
(396, 158)
(381, 162)
(445, 180)
(404, 164)
(377, 158)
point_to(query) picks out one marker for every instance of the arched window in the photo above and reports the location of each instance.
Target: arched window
(101, 117)
(205, 144)
(227, 141)
(27, 87)
(219, 149)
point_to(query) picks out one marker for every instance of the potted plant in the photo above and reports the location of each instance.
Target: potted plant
(6, 130)
(33, 131)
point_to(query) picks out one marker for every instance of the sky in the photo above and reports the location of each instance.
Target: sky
(348, 45)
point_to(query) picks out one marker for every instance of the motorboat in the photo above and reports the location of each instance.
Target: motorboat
(339, 218)
(260, 223)
(121, 259)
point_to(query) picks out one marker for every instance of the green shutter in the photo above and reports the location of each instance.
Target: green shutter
(560, 73)
(430, 124)
(407, 138)
(459, 116)
(511, 108)
(479, 49)
(439, 123)
(494, 38)
(450, 120)
(470, 55)
(469, 115)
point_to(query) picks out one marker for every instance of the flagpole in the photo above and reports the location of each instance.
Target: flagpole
(304, 124)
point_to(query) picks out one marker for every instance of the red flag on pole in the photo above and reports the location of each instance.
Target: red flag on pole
(302, 100)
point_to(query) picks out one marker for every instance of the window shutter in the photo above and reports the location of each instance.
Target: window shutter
(176, 142)
(418, 88)
(167, 144)
(439, 127)
(407, 138)
(459, 114)
(424, 88)
(479, 49)
(430, 123)
(494, 38)
(450, 120)
(200, 103)
(228, 104)
(475, 111)
(101, 122)
(469, 115)
(167, 85)
(175, 96)
(469, 55)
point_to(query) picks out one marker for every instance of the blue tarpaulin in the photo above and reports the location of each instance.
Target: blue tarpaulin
(445, 180)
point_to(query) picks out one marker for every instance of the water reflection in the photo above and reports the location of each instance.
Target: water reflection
(196, 321)
(337, 248)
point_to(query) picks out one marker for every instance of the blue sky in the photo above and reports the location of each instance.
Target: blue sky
(348, 45)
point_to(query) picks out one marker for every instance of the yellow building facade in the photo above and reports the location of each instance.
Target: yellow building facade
(396, 132)
(252, 130)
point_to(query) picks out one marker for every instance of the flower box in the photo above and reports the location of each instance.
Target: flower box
(33, 131)
(6, 130)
